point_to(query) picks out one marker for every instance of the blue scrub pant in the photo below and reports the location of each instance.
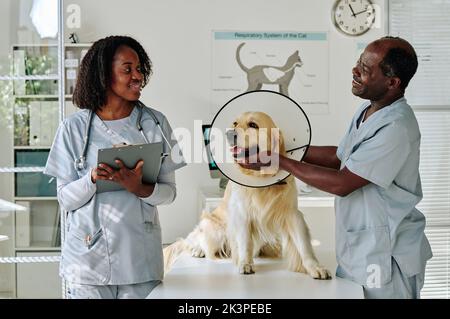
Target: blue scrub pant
(133, 291)
(400, 287)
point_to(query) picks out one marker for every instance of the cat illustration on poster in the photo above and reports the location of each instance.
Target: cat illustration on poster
(268, 74)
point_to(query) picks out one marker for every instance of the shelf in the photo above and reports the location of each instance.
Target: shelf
(41, 96)
(6, 295)
(35, 45)
(316, 198)
(42, 248)
(7, 206)
(67, 45)
(36, 198)
(210, 198)
(77, 45)
(27, 147)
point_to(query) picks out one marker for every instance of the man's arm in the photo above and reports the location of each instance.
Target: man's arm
(339, 182)
(323, 156)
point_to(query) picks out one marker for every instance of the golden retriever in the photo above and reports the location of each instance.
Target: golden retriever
(254, 221)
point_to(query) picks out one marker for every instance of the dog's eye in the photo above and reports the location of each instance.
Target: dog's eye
(235, 124)
(252, 125)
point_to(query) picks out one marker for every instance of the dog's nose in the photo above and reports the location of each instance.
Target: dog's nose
(232, 137)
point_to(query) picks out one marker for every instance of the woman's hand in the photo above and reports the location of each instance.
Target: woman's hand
(96, 174)
(130, 179)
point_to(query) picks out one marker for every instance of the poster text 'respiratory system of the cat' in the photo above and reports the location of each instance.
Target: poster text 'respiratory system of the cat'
(292, 63)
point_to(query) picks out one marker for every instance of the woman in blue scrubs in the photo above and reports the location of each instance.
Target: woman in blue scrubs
(112, 246)
(380, 239)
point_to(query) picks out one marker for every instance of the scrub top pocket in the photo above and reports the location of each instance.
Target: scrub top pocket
(369, 254)
(153, 247)
(91, 249)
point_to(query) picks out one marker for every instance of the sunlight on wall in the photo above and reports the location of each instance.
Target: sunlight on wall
(44, 15)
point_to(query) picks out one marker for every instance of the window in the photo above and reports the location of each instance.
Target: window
(426, 25)
(435, 175)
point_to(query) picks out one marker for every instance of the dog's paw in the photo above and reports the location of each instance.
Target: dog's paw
(317, 271)
(246, 269)
(199, 253)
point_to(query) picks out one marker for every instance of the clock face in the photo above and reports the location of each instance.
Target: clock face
(353, 17)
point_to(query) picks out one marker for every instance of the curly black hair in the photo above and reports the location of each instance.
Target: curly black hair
(95, 73)
(400, 61)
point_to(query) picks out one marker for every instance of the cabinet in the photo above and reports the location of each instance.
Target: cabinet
(36, 227)
(38, 280)
(36, 101)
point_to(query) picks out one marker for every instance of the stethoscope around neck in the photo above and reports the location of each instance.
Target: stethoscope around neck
(80, 163)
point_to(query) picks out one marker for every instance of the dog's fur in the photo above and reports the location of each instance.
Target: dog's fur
(254, 221)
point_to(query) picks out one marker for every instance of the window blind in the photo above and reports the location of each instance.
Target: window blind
(435, 175)
(426, 26)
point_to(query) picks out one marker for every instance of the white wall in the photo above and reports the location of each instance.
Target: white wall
(6, 190)
(177, 36)
(5, 113)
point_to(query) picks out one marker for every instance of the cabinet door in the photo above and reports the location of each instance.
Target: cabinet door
(321, 224)
(33, 184)
(38, 226)
(38, 280)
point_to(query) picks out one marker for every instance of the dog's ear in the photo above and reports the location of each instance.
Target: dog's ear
(277, 141)
(276, 147)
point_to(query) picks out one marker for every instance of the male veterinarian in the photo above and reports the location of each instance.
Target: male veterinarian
(380, 239)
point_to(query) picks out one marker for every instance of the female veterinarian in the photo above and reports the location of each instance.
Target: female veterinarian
(113, 239)
(380, 239)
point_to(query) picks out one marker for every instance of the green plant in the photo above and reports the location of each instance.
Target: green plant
(21, 123)
(40, 65)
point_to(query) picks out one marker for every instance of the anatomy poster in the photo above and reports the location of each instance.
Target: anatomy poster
(292, 63)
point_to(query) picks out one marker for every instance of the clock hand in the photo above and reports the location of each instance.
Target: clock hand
(353, 12)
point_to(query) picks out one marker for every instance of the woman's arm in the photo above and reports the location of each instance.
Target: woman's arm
(75, 194)
(164, 191)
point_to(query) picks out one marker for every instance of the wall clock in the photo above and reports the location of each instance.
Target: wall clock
(353, 17)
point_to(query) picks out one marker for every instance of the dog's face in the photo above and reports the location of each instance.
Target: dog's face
(253, 133)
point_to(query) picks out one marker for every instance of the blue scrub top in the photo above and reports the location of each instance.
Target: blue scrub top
(113, 237)
(380, 220)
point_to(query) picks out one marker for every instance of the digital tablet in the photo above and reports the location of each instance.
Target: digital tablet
(151, 154)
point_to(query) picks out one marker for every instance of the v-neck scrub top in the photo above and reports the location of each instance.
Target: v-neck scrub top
(112, 238)
(380, 221)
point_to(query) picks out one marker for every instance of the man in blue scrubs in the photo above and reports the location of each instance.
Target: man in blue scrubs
(380, 239)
